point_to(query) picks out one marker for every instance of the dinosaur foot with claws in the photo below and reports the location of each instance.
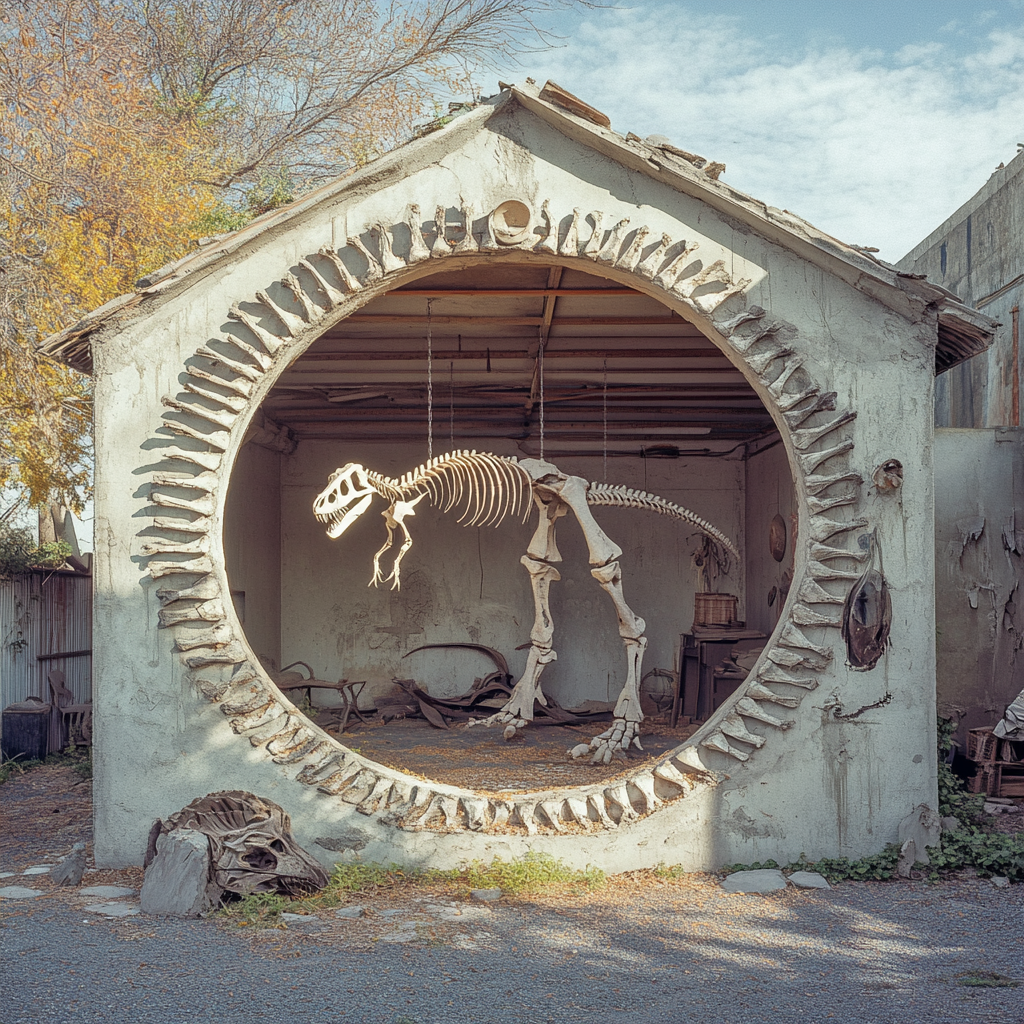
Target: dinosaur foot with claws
(613, 742)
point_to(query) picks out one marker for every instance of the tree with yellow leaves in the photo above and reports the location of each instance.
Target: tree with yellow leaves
(130, 128)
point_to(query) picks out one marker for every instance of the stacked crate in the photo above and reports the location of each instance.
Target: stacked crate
(999, 764)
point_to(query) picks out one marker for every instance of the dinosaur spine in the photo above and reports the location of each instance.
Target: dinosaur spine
(625, 497)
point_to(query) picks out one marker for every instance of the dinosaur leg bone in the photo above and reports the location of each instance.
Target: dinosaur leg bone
(395, 517)
(625, 730)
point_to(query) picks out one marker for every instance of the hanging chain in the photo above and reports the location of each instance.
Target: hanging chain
(451, 404)
(430, 386)
(604, 420)
(540, 371)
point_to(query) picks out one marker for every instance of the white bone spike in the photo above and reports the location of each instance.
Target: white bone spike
(793, 637)
(763, 332)
(553, 813)
(217, 440)
(208, 460)
(206, 482)
(756, 691)
(205, 590)
(201, 506)
(388, 260)
(649, 267)
(713, 272)
(749, 709)
(822, 529)
(824, 553)
(350, 282)
(645, 783)
(574, 808)
(708, 302)
(232, 402)
(734, 727)
(788, 401)
(811, 461)
(819, 505)
(468, 244)
(220, 419)
(230, 654)
(609, 252)
(548, 242)
(667, 277)
(476, 812)
(239, 385)
(440, 247)
(270, 341)
(257, 355)
(823, 403)
(418, 251)
(333, 297)
(201, 566)
(778, 386)
(804, 616)
(760, 361)
(816, 484)
(730, 326)
(500, 811)
(330, 762)
(717, 741)
(374, 270)
(208, 611)
(310, 311)
(773, 674)
(293, 325)
(251, 373)
(377, 795)
(617, 796)
(593, 246)
(597, 802)
(820, 571)
(571, 243)
(814, 593)
(803, 439)
(792, 659)
(668, 772)
(524, 814)
(199, 546)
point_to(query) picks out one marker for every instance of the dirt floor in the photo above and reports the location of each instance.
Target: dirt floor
(479, 758)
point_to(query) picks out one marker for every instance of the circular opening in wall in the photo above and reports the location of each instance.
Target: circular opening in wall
(629, 393)
(510, 221)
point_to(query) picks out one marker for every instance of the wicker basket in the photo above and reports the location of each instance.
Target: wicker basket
(714, 609)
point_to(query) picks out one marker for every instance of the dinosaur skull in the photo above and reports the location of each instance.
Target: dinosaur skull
(345, 498)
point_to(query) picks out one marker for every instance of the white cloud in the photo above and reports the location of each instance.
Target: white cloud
(875, 148)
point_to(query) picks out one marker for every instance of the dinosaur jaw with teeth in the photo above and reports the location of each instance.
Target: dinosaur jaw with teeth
(340, 520)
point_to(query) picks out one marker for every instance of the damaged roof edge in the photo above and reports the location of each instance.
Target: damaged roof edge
(962, 331)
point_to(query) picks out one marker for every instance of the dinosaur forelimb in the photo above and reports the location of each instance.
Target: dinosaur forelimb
(395, 517)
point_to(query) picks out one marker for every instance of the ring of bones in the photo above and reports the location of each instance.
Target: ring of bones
(486, 488)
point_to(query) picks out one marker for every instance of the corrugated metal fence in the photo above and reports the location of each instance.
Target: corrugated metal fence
(45, 623)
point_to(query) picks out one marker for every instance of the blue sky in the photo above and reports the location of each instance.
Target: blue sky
(873, 120)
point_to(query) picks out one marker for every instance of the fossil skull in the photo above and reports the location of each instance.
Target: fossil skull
(345, 498)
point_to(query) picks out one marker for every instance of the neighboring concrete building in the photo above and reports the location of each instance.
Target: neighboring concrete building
(585, 297)
(977, 255)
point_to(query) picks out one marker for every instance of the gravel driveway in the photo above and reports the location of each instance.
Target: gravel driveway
(642, 949)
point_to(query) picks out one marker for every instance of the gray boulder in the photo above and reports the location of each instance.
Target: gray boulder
(178, 880)
(70, 870)
(809, 880)
(764, 880)
(924, 827)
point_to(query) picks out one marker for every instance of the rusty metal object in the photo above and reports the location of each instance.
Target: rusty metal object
(777, 537)
(251, 845)
(867, 616)
(888, 476)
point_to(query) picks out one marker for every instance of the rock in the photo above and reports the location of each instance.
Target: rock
(908, 858)
(764, 880)
(299, 920)
(70, 870)
(350, 913)
(924, 826)
(487, 895)
(107, 892)
(991, 808)
(39, 869)
(7, 874)
(19, 892)
(1000, 881)
(178, 880)
(950, 824)
(112, 909)
(809, 880)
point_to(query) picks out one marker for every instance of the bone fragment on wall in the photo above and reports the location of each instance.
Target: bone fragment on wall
(311, 312)
(730, 326)
(810, 461)
(369, 804)
(819, 505)
(218, 636)
(293, 325)
(804, 438)
(820, 571)
(793, 637)
(629, 260)
(374, 271)
(774, 674)
(548, 238)
(467, 244)
(751, 709)
(815, 484)
(259, 735)
(761, 360)
(418, 251)
(814, 593)
(667, 276)
(826, 553)
(231, 654)
(823, 529)
(268, 339)
(245, 370)
(201, 506)
(650, 265)
(233, 402)
(758, 692)
(804, 616)
(649, 800)
(795, 659)
(596, 801)
(777, 387)
(609, 252)
(440, 248)
(713, 272)
(348, 280)
(310, 748)
(163, 546)
(734, 727)
(785, 402)
(708, 302)
(385, 245)
(207, 611)
(333, 298)
(825, 402)
(476, 813)
(718, 741)
(204, 590)
(550, 814)
(239, 385)
(207, 460)
(214, 416)
(575, 809)
(596, 240)
(193, 566)
(571, 243)
(764, 332)
(205, 482)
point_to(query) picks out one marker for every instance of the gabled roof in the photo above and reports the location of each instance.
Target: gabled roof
(962, 332)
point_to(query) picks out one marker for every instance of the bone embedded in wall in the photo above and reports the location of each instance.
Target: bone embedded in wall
(760, 361)
(751, 709)
(293, 325)
(216, 439)
(823, 529)
(708, 302)
(204, 590)
(733, 324)
(826, 553)
(205, 482)
(311, 312)
(822, 403)
(349, 281)
(596, 240)
(385, 244)
(208, 611)
(816, 484)
(225, 420)
(666, 278)
(820, 505)
(201, 506)
(821, 571)
(181, 525)
(249, 372)
(440, 248)
(735, 728)
(374, 271)
(758, 692)
(571, 243)
(609, 252)
(230, 654)
(218, 636)
(333, 297)
(161, 546)
(208, 460)
(630, 259)
(812, 592)
(804, 616)
(418, 251)
(795, 659)
(793, 637)
(804, 438)
(467, 244)
(239, 385)
(234, 403)
(548, 231)
(619, 803)
(810, 461)
(773, 674)
(648, 267)
(717, 741)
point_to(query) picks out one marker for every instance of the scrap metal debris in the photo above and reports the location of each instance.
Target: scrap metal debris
(867, 615)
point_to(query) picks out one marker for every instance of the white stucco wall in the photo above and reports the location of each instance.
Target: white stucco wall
(827, 785)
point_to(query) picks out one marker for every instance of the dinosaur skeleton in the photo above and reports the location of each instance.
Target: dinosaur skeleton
(486, 488)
